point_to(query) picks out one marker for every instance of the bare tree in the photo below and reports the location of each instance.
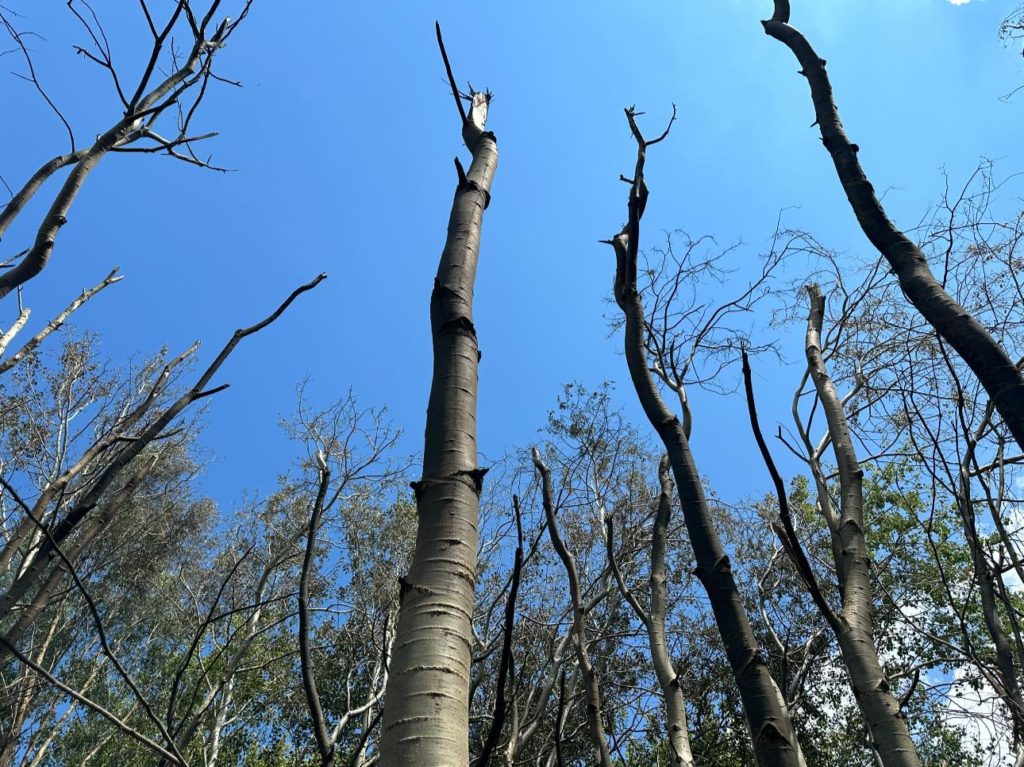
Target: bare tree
(432, 649)
(347, 445)
(774, 739)
(912, 402)
(169, 91)
(989, 361)
(853, 626)
(579, 629)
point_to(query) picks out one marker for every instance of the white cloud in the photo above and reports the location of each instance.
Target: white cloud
(959, 2)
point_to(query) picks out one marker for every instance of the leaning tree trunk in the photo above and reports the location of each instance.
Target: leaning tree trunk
(426, 709)
(774, 739)
(982, 353)
(853, 628)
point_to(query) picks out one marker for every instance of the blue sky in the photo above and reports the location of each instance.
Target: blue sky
(342, 144)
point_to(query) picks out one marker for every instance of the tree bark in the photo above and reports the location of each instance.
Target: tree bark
(854, 627)
(983, 354)
(426, 710)
(774, 739)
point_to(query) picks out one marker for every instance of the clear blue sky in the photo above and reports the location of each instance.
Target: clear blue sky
(342, 144)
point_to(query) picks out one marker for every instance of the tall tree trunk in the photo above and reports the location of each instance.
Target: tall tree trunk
(853, 627)
(426, 709)
(774, 739)
(983, 354)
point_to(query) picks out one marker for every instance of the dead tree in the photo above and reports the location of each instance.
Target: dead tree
(774, 739)
(989, 361)
(853, 625)
(427, 708)
(332, 438)
(168, 85)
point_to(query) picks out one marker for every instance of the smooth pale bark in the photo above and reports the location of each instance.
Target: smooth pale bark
(853, 627)
(653, 618)
(213, 741)
(982, 353)
(580, 642)
(426, 709)
(774, 739)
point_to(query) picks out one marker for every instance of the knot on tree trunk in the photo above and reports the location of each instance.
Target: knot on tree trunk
(460, 326)
(405, 586)
(770, 733)
(668, 426)
(473, 478)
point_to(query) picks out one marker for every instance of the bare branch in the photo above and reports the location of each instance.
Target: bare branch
(53, 325)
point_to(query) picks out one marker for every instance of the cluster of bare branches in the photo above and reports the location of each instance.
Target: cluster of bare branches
(171, 89)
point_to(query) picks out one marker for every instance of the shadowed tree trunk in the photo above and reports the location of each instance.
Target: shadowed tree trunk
(426, 711)
(774, 739)
(983, 354)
